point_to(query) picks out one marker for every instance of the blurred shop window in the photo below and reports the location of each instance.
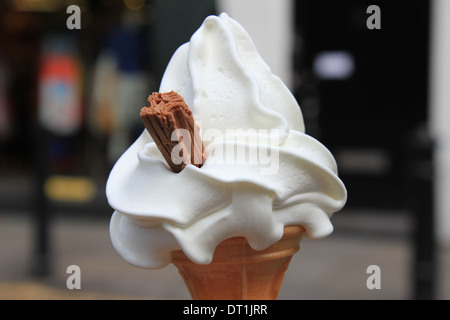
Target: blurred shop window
(120, 86)
(60, 87)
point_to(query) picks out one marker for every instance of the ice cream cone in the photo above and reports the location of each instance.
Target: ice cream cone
(238, 272)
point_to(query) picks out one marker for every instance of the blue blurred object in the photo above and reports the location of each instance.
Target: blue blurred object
(127, 43)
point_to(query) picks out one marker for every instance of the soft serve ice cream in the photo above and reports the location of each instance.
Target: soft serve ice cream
(262, 172)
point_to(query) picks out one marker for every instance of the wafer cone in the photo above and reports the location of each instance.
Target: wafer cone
(238, 272)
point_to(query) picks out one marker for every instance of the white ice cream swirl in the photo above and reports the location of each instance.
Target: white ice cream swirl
(262, 172)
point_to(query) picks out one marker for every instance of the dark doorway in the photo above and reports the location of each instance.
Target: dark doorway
(366, 111)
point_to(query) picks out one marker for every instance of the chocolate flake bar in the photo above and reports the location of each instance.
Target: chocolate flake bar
(169, 121)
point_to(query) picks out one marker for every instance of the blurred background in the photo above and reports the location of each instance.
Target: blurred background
(373, 86)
